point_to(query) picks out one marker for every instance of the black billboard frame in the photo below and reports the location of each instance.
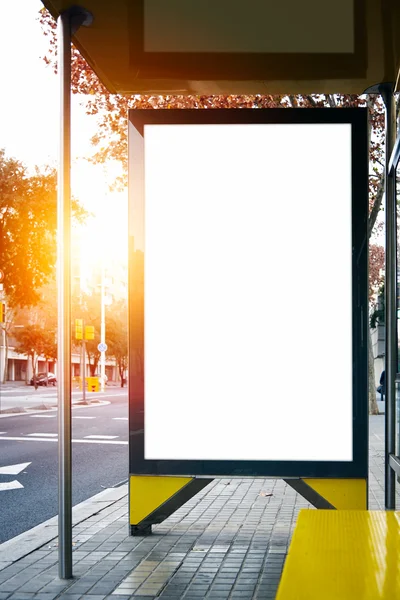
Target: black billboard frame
(358, 467)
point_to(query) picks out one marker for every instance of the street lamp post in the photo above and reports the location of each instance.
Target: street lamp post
(3, 333)
(102, 332)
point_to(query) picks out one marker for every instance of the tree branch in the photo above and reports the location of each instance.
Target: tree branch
(331, 100)
(377, 205)
(311, 101)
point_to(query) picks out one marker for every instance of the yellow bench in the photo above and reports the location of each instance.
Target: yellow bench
(343, 555)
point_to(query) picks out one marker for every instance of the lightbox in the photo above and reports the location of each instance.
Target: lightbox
(248, 292)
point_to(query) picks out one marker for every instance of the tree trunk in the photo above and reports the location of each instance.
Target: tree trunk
(373, 407)
(121, 372)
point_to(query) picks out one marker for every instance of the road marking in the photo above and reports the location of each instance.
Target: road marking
(83, 417)
(1, 432)
(34, 439)
(120, 418)
(101, 437)
(13, 469)
(120, 442)
(43, 416)
(42, 434)
(10, 485)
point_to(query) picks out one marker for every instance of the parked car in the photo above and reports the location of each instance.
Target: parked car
(45, 379)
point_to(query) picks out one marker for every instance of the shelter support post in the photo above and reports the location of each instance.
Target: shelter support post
(153, 499)
(340, 494)
(390, 297)
(68, 22)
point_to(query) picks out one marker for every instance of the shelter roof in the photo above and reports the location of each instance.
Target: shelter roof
(235, 47)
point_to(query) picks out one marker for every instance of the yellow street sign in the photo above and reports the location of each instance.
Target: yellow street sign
(92, 384)
(89, 332)
(78, 329)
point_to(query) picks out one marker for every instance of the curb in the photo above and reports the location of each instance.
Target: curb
(42, 534)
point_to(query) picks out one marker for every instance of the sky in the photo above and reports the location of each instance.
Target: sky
(29, 121)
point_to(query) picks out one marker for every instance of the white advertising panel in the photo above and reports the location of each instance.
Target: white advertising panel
(248, 292)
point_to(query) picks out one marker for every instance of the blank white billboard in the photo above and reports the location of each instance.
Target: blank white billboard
(248, 292)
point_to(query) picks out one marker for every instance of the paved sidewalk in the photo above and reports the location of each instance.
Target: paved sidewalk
(229, 541)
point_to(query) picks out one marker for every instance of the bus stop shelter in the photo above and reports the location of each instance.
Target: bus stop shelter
(154, 47)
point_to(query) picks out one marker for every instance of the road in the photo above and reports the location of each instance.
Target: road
(29, 461)
(25, 396)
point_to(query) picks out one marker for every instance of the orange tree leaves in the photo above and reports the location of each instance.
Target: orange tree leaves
(28, 219)
(111, 142)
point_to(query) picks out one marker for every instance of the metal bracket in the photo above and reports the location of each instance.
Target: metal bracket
(78, 17)
(309, 494)
(378, 87)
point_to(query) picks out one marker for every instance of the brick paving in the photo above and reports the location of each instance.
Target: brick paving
(228, 542)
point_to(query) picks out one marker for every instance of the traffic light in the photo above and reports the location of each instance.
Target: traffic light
(2, 312)
(89, 332)
(78, 329)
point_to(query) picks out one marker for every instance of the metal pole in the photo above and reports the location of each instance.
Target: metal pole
(3, 362)
(102, 332)
(68, 22)
(390, 299)
(3, 371)
(83, 363)
(64, 303)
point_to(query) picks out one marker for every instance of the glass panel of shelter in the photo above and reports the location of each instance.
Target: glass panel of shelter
(397, 411)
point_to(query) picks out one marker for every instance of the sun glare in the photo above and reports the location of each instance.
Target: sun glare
(104, 235)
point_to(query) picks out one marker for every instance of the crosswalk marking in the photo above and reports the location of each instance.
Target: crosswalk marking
(101, 437)
(83, 417)
(42, 416)
(35, 439)
(50, 435)
(120, 418)
(117, 442)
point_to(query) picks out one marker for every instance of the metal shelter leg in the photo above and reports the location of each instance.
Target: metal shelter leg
(390, 298)
(68, 22)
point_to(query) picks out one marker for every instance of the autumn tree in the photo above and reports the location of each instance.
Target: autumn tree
(28, 220)
(110, 143)
(35, 341)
